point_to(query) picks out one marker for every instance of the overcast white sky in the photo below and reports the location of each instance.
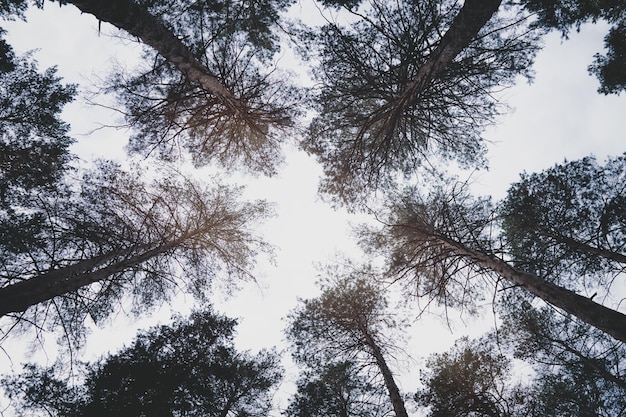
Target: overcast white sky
(559, 116)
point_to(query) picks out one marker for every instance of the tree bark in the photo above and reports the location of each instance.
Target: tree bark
(20, 296)
(585, 247)
(590, 362)
(471, 18)
(609, 321)
(136, 20)
(467, 23)
(394, 392)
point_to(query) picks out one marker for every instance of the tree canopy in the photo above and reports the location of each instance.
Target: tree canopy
(32, 130)
(476, 378)
(337, 389)
(118, 238)
(569, 221)
(609, 67)
(347, 322)
(401, 91)
(443, 242)
(472, 379)
(208, 88)
(409, 82)
(189, 367)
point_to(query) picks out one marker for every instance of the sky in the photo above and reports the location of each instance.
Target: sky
(558, 116)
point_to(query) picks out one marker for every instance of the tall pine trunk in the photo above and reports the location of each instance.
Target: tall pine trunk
(585, 247)
(467, 23)
(20, 296)
(609, 321)
(136, 20)
(392, 388)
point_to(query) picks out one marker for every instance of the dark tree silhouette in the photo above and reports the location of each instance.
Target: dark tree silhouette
(570, 220)
(443, 243)
(337, 389)
(564, 16)
(207, 89)
(407, 82)
(543, 337)
(32, 130)
(187, 368)
(476, 378)
(472, 379)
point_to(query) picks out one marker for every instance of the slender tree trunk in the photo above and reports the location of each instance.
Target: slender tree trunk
(136, 20)
(585, 247)
(394, 392)
(609, 321)
(592, 363)
(20, 296)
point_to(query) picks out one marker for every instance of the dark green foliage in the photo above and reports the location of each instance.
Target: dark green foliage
(7, 57)
(569, 222)
(30, 106)
(34, 152)
(565, 15)
(574, 392)
(254, 20)
(349, 4)
(611, 68)
(187, 368)
(472, 379)
(361, 138)
(10, 9)
(39, 388)
(336, 390)
(580, 370)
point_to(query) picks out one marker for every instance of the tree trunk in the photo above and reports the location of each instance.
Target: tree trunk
(590, 362)
(609, 321)
(20, 296)
(136, 20)
(585, 247)
(394, 392)
(471, 18)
